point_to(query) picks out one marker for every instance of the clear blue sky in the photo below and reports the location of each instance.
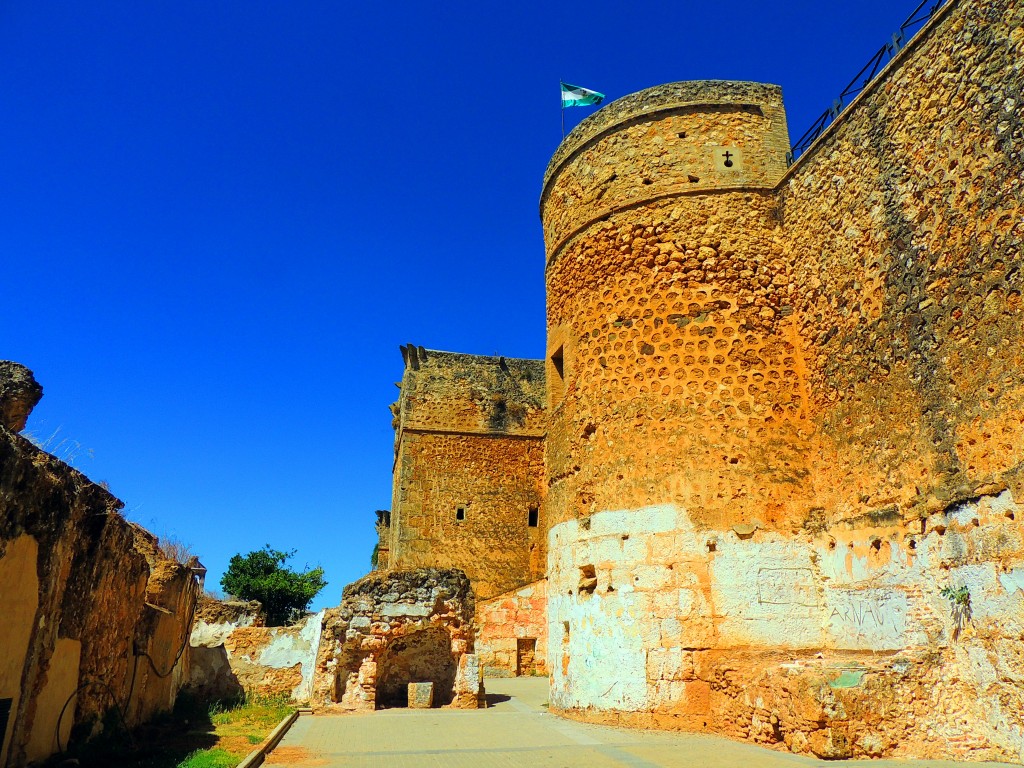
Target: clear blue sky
(219, 221)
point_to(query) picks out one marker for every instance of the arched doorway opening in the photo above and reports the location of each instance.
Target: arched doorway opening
(419, 657)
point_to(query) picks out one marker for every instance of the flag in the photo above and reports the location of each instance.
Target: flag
(574, 96)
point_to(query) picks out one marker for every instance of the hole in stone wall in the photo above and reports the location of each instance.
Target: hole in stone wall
(648, 181)
(831, 544)
(588, 579)
(460, 513)
(533, 517)
(419, 657)
(876, 544)
(692, 179)
(625, 537)
(712, 546)
(975, 523)
(681, 134)
(940, 529)
(1011, 516)
(912, 544)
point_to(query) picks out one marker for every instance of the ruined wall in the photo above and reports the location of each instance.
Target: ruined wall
(233, 653)
(512, 632)
(89, 604)
(399, 627)
(469, 468)
(790, 417)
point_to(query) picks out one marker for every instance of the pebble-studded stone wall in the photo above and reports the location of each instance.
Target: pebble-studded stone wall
(786, 414)
(469, 469)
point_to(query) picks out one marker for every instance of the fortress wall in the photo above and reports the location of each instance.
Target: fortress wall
(682, 373)
(469, 436)
(904, 229)
(790, 594)
(84, 594)
(495, 481)
(661, 142)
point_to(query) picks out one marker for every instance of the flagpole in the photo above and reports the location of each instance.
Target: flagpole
(563, 106)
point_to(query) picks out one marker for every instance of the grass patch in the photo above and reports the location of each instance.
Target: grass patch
(210, 758)
(196, 734)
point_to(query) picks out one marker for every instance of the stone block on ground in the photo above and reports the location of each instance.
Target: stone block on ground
(421, 695)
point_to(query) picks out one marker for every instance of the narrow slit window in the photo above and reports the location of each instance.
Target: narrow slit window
(556, 376)
(534, 517)
(460, 514)
(558, 361)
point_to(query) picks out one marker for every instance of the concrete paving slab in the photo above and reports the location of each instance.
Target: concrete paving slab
(518, 731)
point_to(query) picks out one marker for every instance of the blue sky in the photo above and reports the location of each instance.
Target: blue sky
(219, 221)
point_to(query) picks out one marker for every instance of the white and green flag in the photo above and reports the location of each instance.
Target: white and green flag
(574, 96)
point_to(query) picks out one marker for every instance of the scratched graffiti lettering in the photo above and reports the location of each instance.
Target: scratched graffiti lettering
(867, 619)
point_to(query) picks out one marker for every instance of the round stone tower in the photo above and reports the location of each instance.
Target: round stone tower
(675, 384)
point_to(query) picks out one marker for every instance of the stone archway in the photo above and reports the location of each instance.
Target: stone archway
(418, 657)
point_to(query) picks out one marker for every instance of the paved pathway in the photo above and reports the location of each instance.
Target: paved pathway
(518, 732)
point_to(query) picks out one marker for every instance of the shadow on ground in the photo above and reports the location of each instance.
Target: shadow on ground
(165, 742)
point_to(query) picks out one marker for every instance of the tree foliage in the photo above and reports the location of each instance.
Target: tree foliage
(262, 575)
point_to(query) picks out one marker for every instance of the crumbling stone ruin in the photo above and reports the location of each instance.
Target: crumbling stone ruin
(95, 618)
(232, 652)
(782, 472)
(394, 628)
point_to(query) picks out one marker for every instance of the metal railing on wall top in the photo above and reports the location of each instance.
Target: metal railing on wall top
(921, 15)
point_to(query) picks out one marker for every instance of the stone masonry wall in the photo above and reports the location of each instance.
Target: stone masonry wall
(784, 453)
(469, 434)
(89, 604)
(512, 632)
(394, 628)
(233, 653)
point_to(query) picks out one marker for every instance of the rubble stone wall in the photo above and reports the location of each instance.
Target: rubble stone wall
(512, 632)
(784, 446)
(469, 468)
(399, 627)
(233, 653)
(89, 604)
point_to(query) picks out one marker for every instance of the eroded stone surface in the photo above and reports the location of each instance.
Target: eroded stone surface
(85, 596)
(19, 394)
(394, 628)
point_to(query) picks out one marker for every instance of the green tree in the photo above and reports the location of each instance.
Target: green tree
(262, 575)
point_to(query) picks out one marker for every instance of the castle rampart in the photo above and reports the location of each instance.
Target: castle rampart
(785, 423)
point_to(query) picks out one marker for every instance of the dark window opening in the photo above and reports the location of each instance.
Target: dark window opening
(534, 517)
(557, 360)
(460, 513)
(5, 713)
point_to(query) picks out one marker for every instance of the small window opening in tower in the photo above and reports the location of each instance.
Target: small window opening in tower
(534, 517)
(556, 376)
(558, 360)
(460, 513)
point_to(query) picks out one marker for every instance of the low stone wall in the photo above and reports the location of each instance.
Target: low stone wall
(232, 653)
(512, 632)
(399, 627)
(94, 617)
